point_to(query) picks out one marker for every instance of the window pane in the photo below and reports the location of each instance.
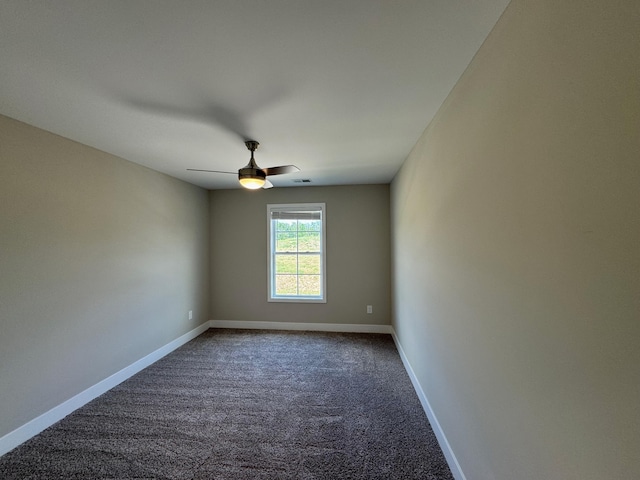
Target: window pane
(308, 264)
(286, 242)
(286, 225)
(286, 264)
(309, 225)
(309, 285)
(309, 242)
(286, 285)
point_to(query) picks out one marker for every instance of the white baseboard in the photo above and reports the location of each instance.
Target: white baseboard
(21, 434)
(310, 327)
(452, 461)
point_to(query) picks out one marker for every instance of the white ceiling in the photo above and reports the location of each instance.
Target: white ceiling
(341, 88)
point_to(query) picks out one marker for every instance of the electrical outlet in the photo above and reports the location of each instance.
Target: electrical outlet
(190, 314)
(369, 308)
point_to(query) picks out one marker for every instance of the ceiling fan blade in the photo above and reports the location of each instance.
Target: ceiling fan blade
(281, 170)
(227, 119)
(267, 184)
(211, 171)
(214, 115)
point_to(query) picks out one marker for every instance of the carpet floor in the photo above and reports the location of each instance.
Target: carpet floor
(248, 404)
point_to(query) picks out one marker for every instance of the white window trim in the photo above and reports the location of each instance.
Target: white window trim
(323, 254)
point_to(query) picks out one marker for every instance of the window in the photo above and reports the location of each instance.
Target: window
(297, 252)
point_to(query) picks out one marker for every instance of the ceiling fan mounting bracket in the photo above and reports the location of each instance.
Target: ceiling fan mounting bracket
(252, 145)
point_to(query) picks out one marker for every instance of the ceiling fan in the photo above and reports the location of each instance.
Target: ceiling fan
(251, 176)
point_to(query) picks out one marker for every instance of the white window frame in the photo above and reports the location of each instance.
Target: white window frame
(271, 296)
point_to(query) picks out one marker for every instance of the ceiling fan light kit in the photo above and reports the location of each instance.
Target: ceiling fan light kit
(252, 176)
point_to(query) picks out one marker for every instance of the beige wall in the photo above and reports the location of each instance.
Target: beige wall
(516, 253)
(100, 261)
(358, 255)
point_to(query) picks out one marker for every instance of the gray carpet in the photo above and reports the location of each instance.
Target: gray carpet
(248, 404)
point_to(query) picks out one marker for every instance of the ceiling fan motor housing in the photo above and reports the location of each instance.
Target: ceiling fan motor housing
(251, 172)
